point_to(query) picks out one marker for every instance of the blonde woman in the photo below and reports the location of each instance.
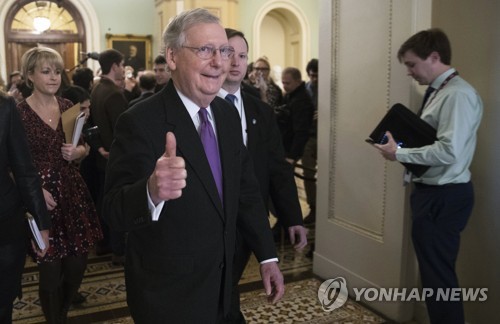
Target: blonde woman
(269, 91)
(75, 226)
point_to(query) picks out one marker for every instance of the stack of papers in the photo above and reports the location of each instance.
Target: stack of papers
(72, 123)
(37, 236)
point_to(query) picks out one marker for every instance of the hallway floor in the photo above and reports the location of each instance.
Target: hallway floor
(104, 289)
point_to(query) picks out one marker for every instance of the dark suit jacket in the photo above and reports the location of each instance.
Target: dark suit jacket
(108, 102)
(249, 89)
(15, 157)
(274, 173)
(179, 268)
(143, 96)
(295, 129)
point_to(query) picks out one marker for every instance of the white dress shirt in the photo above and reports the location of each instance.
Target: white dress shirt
(238, 103)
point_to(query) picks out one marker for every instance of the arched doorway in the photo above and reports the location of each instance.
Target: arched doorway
(55, 24)
(281, 33)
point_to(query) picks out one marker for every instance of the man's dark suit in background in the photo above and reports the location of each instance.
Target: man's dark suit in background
(108, 102)
(276, 182)
(147, 83)
(297, 119)
(274, 173)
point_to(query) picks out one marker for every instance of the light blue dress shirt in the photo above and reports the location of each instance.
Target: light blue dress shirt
(455, 111)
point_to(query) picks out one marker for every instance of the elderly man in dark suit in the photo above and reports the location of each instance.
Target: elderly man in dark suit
(263, 141)
(20, 188)
(180, 179)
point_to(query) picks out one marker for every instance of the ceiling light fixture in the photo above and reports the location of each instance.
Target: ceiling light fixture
(41, 24)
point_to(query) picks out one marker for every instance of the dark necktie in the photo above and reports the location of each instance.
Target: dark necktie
(231, 98)
(427, 94)
(209, 141)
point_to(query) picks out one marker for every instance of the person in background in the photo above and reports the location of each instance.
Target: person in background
(20, 190)
(310, 156)
(161, 71)
(15, 81)
(65, 82)
(131, 88)
(294, 118)
(443, 197)
(296, 122)
(270, 93)
(23, 91)
(75, 225)
(147, 83)
(78, 95)
(14, 78)
(263, 141)
(179, 190)
(108, 103)
(248, 81)
(83, 77)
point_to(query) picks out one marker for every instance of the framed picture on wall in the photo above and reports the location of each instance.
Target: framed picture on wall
(136, 49)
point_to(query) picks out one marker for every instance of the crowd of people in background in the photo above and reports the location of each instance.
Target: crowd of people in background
(72, 175)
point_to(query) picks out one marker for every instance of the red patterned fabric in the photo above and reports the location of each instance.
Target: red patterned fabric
(75, 225)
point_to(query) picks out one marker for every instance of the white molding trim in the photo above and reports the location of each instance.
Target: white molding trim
(92, 29)
(91, 32)
(301, 17)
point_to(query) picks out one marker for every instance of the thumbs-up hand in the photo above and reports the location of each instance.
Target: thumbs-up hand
(169, 176)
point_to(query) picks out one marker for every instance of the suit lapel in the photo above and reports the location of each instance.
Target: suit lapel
(189, 144)
(228, 151)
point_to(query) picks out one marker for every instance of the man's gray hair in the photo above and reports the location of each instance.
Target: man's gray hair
(174, 36)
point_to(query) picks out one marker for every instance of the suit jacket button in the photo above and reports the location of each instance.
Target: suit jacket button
(221, 265)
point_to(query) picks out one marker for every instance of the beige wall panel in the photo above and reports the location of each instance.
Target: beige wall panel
(362, 231)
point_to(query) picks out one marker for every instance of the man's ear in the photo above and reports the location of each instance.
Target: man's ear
(435, 57)
(171, 59)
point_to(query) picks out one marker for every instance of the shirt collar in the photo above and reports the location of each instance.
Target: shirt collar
(440, 79)
(191, 107)
(223, 93)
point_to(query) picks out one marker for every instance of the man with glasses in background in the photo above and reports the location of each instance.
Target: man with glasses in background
(179, 180)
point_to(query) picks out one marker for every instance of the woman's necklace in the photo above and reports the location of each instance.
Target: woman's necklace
(49, 114)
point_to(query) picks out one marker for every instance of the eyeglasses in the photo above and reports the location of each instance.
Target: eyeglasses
(261, 69)
(206, 52)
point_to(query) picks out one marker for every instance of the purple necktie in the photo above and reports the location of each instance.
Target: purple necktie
(209, 141)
